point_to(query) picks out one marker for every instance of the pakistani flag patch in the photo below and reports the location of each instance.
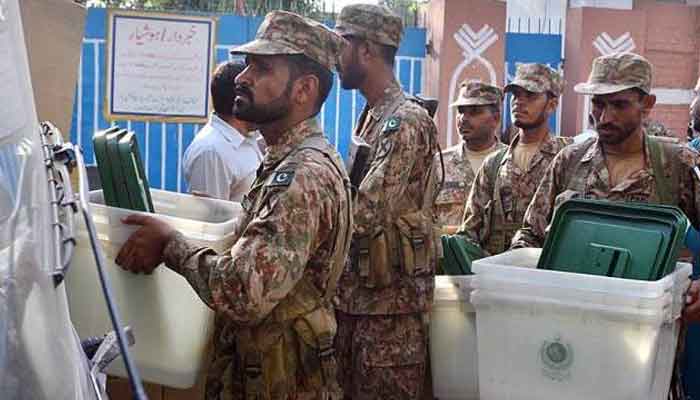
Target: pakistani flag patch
(281, 178)
(392, 125)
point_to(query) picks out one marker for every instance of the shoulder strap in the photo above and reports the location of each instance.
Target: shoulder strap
(492, 173)
(662, 154)
(341, 246)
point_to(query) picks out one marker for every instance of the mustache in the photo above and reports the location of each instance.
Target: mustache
(242, 90)
(608, 127)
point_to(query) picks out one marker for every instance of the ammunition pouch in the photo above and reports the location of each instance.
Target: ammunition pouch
(298, 334)
(374, 259)
(411, 248)
(417, 244)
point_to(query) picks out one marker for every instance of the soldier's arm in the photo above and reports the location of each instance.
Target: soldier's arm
(475, 218)
(539, 212)
(689, 197)
(269, 258)
(382, 190)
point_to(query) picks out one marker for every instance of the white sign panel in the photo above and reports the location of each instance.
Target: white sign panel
(159, 66)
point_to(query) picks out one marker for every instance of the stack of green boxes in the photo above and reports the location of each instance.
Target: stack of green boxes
(623, 240)
(124, 182)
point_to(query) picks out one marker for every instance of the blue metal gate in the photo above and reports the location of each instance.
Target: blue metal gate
(163, 144)
(533, 40)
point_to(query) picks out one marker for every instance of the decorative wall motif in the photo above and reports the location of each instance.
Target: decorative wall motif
(473, 45)
(606, 45)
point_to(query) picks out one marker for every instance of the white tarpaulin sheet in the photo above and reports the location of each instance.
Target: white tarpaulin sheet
(40, 355)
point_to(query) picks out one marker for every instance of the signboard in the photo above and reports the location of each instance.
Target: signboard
(158, 67)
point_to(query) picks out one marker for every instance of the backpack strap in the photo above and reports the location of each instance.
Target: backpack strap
(492, 173)
(665, 165)
(341, 246)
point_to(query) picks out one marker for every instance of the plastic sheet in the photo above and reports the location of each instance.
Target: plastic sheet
(40, 354)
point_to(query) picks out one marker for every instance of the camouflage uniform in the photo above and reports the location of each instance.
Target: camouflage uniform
(656, 128)
(387, 288)
(502, 191)
(272, 291)
(580, 170)
(459, 174)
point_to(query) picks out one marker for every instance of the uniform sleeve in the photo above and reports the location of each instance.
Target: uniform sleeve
(476, 216)
(267, 261)
(388, 175)
(209, 174)
(689, 198)
(541, 208)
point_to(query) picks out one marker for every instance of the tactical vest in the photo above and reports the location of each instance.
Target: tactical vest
(665, 166)
(500, 231)
(408, 245)
(296, 338)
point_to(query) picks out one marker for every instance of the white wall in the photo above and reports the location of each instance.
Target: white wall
(617, 4)
(536, 8)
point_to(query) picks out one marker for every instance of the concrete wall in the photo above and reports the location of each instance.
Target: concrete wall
(449, 63)
(665, 33)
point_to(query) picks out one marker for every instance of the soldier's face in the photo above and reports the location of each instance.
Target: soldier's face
(476, 122)
(619, 115)
(263, 90)
(350, 70)
(530, 110)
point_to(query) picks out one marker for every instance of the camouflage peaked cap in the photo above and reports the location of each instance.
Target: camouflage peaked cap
(476, 93)
(537, 78)
(368, 21)
(617, 72)
(287, 33)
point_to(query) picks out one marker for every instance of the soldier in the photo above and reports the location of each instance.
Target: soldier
(508, 178)
(386, 290)
(478, 119)
(271, 292)
(622, 163)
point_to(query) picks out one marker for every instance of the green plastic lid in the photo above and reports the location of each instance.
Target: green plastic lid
(459, 254)
(134, 173)
(624, 240)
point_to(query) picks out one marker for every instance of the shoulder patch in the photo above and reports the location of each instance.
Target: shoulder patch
(282, 178)
(392, 125)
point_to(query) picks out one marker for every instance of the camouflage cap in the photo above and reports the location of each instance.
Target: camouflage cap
(537, 78)
(476, 93)
(372, 22)
(287, 33)
(617, 72)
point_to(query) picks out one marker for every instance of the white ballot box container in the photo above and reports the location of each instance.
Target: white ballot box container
(453, 350)
(546, 335)
(171, 325)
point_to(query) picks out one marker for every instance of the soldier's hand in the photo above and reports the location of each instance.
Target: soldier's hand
(691, 313)
(143, 251)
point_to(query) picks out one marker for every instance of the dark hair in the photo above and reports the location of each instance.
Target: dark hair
(495, 109)
(642, 94)
(300, 64)
(388, 53)
(222, 87)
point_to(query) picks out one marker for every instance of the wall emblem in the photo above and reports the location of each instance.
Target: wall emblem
(473, 45)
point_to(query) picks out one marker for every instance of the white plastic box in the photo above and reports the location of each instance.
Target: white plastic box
(546, 335)
(171, 325)
(453, 351)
